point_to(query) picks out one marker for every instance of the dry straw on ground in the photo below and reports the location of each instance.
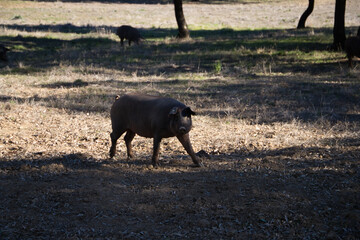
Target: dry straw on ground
(279, 121)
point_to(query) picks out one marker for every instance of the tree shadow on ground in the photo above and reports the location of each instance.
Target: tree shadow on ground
(166, 32)
(60, 28)
(259, 98)
(263, 100)
(287, 193)
(234, 49)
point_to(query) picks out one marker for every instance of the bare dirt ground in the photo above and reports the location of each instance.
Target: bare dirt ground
(284, 139)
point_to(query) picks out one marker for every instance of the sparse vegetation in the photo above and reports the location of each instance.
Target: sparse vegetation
(278, 113)
(217, 66)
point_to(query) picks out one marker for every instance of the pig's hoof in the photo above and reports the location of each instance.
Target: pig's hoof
(200, 164)
(111, 153)
(203, 154)
(156, 165)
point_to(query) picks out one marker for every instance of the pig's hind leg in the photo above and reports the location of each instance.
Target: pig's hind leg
(128, 138)
(114, 137)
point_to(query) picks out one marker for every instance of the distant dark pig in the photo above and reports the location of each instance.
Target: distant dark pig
(151, 117)
(129, 33)
(3, 51)
(352, 47)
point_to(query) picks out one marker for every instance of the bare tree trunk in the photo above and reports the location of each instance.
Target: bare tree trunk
(180, 19)
(339, 25)
(306, 14)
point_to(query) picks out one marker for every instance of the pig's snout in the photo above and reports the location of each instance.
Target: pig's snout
(182, 130)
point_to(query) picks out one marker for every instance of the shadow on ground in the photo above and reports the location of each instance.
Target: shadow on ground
(234, 49)
(291, 194)
(261, 100)
(208, 46)
(247, 59)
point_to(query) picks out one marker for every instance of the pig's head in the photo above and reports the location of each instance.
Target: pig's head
(180, 120)
(3, 51)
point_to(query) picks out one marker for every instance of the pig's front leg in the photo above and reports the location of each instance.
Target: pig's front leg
(185, 141)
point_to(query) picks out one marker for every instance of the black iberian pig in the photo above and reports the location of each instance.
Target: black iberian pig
(352, 47)
(129, 33)
(3, 51)
(151, 117)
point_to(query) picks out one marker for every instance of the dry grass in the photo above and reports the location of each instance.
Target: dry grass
(233, 16)
(278, 114)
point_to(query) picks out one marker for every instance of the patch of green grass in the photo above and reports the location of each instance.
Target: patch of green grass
(19, 47)
(290, 43)
(217, 66)
(25, 70)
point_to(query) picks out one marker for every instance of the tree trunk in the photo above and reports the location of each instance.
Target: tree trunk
(306, 14)
(339, 25)
(180, 19)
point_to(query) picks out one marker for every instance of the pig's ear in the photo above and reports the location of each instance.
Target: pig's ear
(188, 112)
(173, 111)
